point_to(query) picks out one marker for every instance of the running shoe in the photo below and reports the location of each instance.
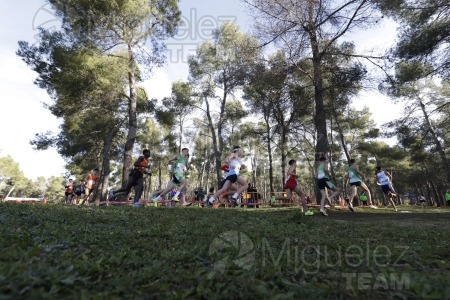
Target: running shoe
(155, 202)
(324, 212)
(175, 199)
(309, 213)
(208, 204)
(350, 206)
(373, 206)
(137, 204)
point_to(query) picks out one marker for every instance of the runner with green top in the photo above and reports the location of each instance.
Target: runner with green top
(355, 178)
(324, 184)
(180, 165)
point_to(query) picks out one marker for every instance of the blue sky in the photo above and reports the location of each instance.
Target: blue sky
(22, 114)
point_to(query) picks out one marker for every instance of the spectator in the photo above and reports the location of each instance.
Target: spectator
(200, 194)
(251, 195)
(422, 201)
(447, 197)
(363, 198)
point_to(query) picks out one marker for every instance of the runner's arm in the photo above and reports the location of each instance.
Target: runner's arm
(290, 172)
(229, 157)
(188, 164)
(389, 175)
(172, 160)
(359, 172)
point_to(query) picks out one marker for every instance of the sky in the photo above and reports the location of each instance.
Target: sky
(22, 111)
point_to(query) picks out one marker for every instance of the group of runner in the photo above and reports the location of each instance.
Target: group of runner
(355, 179)
(141, 166)
(234, 184)
(78, 194)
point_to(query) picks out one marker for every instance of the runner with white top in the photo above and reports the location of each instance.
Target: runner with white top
(233, 176)
(384, 180)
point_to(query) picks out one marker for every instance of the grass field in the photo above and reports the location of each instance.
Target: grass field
(63, 252)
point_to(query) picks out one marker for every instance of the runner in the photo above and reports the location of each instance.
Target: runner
(180, 166)
(356, 179)
(91, 182)
(69, 192)
(226, 197)
(384, 180)
(234, 163)
(324, 184)
(292, 185)
(79, 190)
(135, 179)
(447, 197)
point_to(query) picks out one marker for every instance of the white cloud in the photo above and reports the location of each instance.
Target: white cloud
(382, 108)
(159, 85)
(22, 116)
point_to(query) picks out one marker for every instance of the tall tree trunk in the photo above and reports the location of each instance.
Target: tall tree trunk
(208, 174)
(435, 199)
(320, 118)
(333, 174)
(433, 187)
(159, 176)
(428, 192)
(269, 151)
(441, 193)
(217, 152)
(418, 191)
(132, 117)
(283, 143)
(438, 144)
(253, 161)
(341, 137)
(106, 170)
(322, 146)
(180, 140)
(149, 186)
(220, 135)
(202, 173)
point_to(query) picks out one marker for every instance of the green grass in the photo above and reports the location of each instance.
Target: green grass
(62, 252)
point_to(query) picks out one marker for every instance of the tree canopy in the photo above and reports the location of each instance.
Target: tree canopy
(285, 92)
